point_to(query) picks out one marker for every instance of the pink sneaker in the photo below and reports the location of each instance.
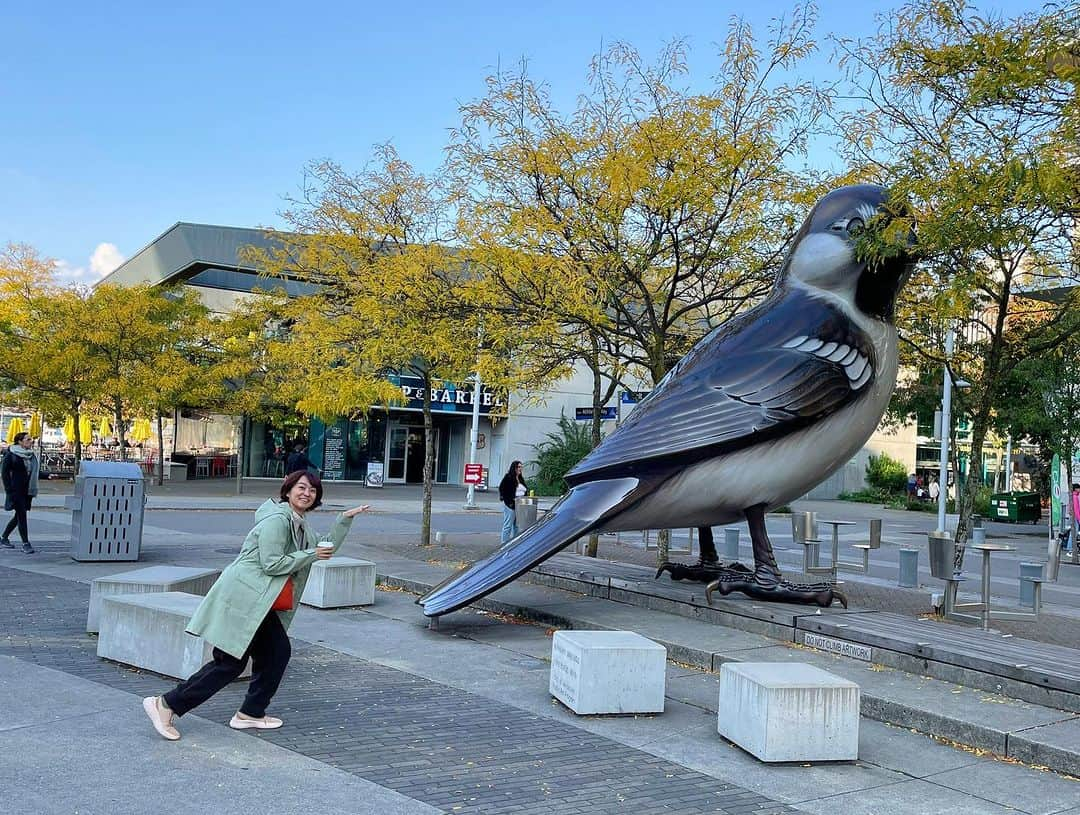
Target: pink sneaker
(160, 717)
(241, 722)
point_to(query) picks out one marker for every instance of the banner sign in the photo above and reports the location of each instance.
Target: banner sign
(632, 397)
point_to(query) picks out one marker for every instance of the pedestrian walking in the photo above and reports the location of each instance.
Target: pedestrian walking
(248, 610)
(19, 471)
(511, 488)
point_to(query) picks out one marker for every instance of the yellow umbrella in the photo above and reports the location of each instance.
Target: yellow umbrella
(86, 430)
(35, 426)
(15, 426)
(140, 430)
(69, 429)
(104, 429)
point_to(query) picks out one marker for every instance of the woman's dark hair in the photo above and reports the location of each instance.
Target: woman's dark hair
(513, 469)
(19, 437)
(292, 478)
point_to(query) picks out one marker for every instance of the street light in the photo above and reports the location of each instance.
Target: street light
(946, 428)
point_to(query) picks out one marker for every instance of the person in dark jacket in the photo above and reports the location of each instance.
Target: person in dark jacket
(298, 460)
(511, 487)
(19, 470)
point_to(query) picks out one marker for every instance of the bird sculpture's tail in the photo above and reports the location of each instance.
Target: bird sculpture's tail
(579, 512)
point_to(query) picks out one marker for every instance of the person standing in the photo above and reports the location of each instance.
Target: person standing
(19, 470)
(298, 460)
(248, 610)
(934, 490)
(1075, 507)
(511, 488)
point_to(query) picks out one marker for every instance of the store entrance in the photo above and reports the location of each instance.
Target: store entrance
(405, 454)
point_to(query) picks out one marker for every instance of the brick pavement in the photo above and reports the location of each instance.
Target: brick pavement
(440, 745)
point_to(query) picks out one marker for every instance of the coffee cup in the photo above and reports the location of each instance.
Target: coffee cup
(325, 546)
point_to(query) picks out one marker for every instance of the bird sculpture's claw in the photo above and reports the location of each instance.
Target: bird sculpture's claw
(702, 571)
(821, 594)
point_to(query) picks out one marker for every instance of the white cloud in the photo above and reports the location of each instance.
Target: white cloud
(105, 258)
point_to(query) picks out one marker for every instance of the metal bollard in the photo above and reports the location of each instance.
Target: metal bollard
(1027, 588)
(731, 543)
(909, 569)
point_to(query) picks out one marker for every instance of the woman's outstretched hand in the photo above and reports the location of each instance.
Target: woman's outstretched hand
(349, 513)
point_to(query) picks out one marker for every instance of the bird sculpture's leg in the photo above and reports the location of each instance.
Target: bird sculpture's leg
(708, 566)
(767, 583)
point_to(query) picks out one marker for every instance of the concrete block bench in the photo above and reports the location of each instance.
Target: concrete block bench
(147, 631)
(143, 581)
(608, 672)
(788, 712)
(340, 582)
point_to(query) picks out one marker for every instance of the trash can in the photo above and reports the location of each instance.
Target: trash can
(525, 512)
(107, 511)
(731, 542)
(942, 551)
(1016, 507)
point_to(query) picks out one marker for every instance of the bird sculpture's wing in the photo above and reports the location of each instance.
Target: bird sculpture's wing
(785, 365)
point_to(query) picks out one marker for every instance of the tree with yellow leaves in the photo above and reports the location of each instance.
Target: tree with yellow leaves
(973, 119)
(648, 214)
(45, 361)
(142, 337)
(392, 298)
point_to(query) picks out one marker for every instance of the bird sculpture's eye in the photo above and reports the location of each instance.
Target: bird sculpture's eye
(855, 226)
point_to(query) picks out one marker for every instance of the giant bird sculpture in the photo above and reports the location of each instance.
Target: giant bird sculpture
(758, 412)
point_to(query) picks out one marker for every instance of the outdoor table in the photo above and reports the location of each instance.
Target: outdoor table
(987, 549)
(836, 540)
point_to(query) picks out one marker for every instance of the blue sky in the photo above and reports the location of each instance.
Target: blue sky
(118, 119)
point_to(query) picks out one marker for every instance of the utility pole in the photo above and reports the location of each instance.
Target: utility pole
(946, 426)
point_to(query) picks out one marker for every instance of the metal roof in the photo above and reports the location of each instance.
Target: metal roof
(184, 250)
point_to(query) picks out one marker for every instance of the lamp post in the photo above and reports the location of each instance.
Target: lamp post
(946, 425)
(474, 438)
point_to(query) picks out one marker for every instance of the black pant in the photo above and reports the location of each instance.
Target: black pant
(18, 519)
(269, 651)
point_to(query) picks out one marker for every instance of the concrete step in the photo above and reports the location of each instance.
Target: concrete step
(953, 712)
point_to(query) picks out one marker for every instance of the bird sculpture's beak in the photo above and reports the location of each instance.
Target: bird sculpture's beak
(888, 250)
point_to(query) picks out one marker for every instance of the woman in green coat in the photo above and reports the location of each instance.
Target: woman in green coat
(236, 616)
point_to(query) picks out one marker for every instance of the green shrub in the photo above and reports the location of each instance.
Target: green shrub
(886, 474)
(558, 454)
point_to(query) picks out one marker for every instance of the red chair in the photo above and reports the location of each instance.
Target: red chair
(219, 466)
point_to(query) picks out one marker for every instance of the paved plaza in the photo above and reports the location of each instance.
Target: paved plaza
(387, 714)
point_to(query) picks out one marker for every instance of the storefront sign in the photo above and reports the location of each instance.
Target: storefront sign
(474, 473)
(374, 474)
(334, 453)
(584, 414)
(447, 397)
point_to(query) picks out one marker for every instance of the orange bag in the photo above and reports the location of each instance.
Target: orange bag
(284, 601)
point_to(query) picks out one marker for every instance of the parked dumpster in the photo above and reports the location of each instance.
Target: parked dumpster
(1016, 507)
(107, 511)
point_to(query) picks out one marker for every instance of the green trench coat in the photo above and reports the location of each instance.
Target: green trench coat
(239, 600)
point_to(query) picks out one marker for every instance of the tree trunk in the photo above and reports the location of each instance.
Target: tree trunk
(429, 465)
(160, 450)
(118, 427)
(966, 497)
(663, 546)
(78, 438)
(597, 399)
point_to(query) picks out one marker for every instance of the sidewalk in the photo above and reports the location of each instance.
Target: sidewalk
(386, 714)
